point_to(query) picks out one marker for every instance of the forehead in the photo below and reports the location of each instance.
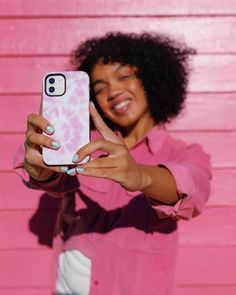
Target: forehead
(101, 66)
(101, 69)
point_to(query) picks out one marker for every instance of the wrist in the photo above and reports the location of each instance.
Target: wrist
(145, 179)
(52, 177)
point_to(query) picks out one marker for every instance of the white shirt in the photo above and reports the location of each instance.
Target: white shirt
(74, 272)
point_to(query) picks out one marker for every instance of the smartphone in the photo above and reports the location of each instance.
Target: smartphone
(65, 102)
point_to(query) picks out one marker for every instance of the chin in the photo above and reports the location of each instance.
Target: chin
(125, 123)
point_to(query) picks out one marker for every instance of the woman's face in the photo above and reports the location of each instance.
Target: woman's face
(120, 95)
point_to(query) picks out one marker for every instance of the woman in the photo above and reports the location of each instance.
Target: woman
(117, 224)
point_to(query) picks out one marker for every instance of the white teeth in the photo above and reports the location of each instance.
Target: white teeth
(121, 104)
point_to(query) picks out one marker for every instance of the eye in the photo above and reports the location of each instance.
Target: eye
(99, 90)
(125, 76)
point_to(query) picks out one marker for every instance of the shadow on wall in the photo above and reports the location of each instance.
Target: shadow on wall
(86, 220)
(42, 223)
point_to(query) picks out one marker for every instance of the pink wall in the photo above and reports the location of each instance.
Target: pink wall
(35, 38)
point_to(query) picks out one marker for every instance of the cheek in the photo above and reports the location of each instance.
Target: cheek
(134, 86)
(140, 94)
(137, 88)
(100, 101)
(103, 105)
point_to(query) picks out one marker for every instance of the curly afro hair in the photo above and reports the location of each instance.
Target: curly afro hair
(162, 67)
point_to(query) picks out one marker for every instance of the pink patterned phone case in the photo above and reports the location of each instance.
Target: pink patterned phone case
(69, 115)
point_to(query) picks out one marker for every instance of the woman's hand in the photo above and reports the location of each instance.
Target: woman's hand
(33, 161)
(117, 165)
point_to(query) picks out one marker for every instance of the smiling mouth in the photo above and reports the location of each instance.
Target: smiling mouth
(122, 106)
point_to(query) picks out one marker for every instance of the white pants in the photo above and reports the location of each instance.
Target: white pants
(74, 272)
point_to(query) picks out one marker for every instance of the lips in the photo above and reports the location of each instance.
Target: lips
(120, 105)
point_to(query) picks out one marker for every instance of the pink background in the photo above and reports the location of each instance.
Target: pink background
(36, 37)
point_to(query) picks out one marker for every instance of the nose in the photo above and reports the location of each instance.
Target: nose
(114, 90)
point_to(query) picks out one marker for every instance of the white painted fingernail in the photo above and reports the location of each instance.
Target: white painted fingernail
(56, 144)
(64, 169)
(92, 104)
(70, 171)
(75, 158)
(79, 169)
(50, 129)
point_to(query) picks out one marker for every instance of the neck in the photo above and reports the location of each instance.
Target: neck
(137, 131)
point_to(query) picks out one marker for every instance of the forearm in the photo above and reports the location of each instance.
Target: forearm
(158, 183)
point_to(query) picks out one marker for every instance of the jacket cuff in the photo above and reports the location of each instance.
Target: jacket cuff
(56, 187)
(193, 188)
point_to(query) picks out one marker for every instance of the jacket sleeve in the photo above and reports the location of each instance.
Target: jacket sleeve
(57, 187)
(191, 169)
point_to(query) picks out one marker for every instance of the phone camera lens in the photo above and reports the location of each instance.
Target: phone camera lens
(51, 80)
(51, 89)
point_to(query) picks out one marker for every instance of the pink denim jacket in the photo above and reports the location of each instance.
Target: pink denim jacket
(131, 240)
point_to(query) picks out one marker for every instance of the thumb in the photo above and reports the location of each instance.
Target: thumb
(102, 127)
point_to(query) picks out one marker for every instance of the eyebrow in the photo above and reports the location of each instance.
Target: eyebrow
(97, 82)
(116, 70)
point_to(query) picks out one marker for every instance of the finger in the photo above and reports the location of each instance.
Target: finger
(101, 126)
(108, 173)
(105, 162)
(96, 145)
(34, 138)
(34, 158)
(34, 170)
(38, 123)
